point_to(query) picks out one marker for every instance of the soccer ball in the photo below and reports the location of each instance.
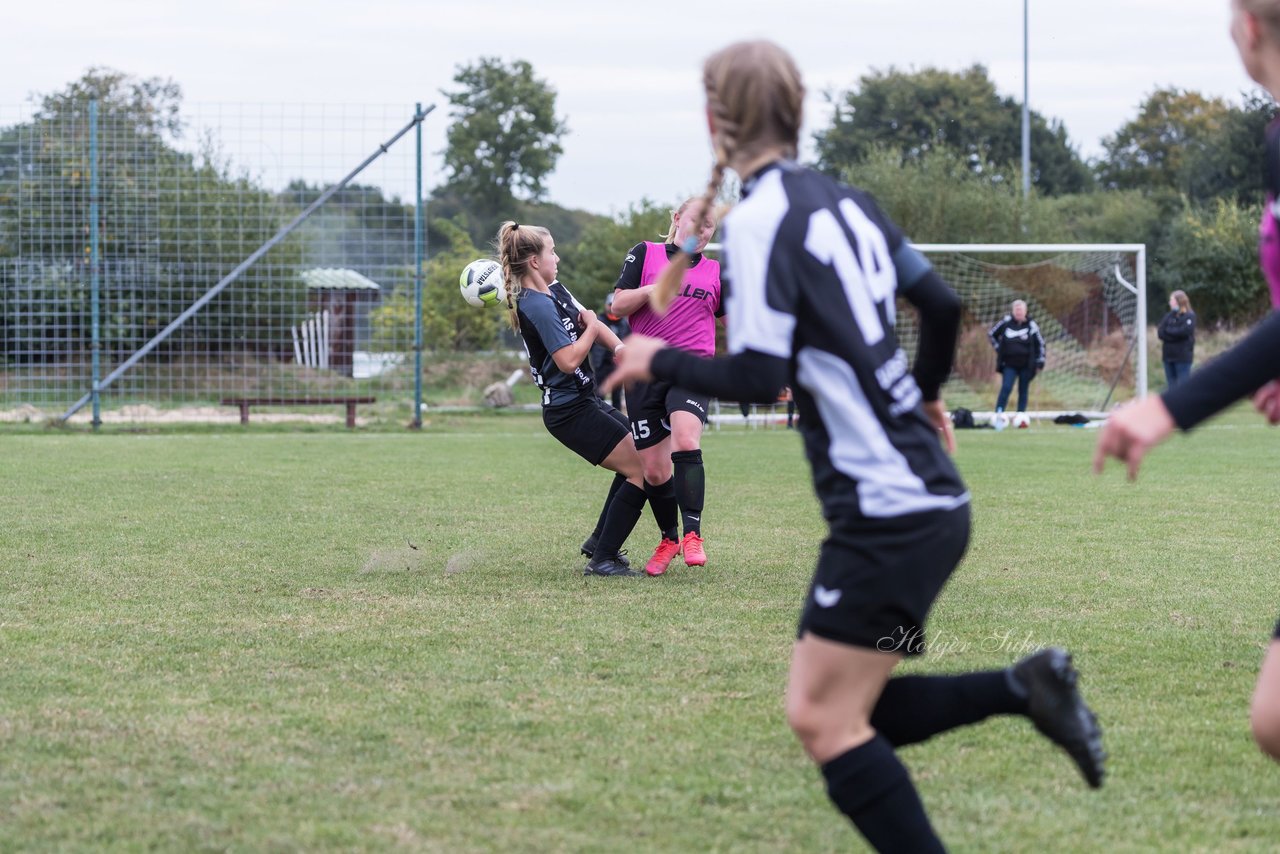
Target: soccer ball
(1021, 420)
(481, 283)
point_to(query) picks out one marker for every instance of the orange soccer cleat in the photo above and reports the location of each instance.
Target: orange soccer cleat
(662, 557)
(691, 545)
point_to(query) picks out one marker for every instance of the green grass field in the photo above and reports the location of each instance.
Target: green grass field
(274, 641)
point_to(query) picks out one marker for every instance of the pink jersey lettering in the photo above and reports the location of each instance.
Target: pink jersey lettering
(690, 323)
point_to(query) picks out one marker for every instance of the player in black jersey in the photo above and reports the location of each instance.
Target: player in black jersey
(812, 272)
(1250, 368)
(558, 333)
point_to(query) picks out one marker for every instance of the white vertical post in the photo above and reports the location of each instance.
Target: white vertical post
(308, 350)
(1140, 385)
(323, 317)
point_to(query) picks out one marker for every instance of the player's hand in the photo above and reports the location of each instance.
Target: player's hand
(587, 318)
(1132, 431)
(631, 362)
(1267, 401)
(936, 410)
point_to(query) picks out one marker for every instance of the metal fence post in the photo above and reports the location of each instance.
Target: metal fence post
(418, 250)
(94, 274)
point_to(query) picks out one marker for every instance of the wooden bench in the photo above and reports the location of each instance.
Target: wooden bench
(245, 402)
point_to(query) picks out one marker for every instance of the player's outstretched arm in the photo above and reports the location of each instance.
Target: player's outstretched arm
(749, 376)
(1132, 431)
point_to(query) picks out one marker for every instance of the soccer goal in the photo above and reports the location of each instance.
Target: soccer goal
(1089, 301)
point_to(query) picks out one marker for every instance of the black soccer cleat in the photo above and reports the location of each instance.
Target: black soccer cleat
(612, 567)
(1059, 712)
(589, 550)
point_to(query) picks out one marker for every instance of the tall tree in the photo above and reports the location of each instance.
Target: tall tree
(1151, 151)
(1230, 164)
(504, 140)
(915, 113)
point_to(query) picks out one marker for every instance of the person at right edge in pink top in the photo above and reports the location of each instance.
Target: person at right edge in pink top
(666, 420)
(1250, 368)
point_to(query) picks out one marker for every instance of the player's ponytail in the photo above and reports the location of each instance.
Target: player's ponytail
(506, 257)
(516, 245)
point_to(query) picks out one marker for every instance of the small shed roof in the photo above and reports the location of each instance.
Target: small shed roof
(338, 279)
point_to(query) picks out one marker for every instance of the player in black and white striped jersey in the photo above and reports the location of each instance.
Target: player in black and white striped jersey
(812, 271)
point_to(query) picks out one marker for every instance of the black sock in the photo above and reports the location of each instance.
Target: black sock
(624, 511)
(871, 786)
(618, 480)
(915, 708)
(662, 501)
(691, 488)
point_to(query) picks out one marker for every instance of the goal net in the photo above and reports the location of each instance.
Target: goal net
(1089, 301)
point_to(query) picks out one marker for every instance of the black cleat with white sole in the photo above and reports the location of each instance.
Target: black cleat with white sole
(612, 567)
(1059, 712)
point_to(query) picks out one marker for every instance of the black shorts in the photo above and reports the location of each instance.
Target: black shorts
(1276, 635)
(589, 427)
(650, 404)
(877, 578)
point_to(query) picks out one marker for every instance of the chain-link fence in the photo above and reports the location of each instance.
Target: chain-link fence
(125, 228)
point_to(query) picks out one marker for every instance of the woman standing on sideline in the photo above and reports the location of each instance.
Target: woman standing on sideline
(558, 333)
(1020, 353)
(666, 419)
(814, 269)
(1250, 368)
(1178, 332)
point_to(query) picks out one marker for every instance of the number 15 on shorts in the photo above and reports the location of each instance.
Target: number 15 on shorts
(640, 429)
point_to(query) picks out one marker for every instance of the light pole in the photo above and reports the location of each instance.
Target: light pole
(1026, 111)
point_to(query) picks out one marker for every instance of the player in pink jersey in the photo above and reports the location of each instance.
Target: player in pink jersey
(1251, 367)
(666, 420)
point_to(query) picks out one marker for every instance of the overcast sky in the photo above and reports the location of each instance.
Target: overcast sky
(627, 73)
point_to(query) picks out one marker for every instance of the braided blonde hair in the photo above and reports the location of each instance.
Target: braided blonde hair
(517, 245)
(756, 99)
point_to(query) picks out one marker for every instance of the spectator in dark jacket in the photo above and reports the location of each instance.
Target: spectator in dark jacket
(1178, 332)
(602, 356)
(1020, 353)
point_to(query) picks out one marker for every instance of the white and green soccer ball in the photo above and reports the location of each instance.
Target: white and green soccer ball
(482, 284)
